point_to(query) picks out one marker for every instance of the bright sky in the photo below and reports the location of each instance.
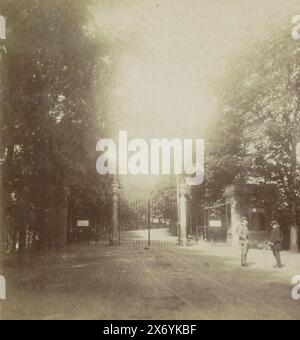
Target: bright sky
(169, 53)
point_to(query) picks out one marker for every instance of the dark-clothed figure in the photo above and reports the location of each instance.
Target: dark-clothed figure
(276, 242)
(244, 240)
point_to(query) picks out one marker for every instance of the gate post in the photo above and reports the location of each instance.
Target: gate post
(183, 214)
(149, 223)
(231, 199)
(114, 239)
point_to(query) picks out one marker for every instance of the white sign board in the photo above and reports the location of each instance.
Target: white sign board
(215, 224)
(298, 152)
(2, 288)
(2, 28)
(83, 223)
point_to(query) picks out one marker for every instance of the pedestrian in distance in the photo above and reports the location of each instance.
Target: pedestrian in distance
(244, 240)
(275, 243)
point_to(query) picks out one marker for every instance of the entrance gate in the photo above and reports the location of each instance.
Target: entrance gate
(148, 223)
(152, 222)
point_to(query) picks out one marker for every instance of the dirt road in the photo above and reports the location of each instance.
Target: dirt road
(130, 282)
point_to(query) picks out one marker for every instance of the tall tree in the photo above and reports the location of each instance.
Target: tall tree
(50, 117)
(260, 124)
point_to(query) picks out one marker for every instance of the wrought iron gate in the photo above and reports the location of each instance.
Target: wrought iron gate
(148, 222)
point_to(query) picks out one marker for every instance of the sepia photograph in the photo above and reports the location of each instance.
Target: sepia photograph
(149, 162)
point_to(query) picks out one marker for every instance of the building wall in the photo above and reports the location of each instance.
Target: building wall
(255, 202)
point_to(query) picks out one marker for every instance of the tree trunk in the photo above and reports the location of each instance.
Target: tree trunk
(69, 221)
(22, 225)
(22, 238)
(1, 225)
(42, 226)
(61, 220)
(5, 178)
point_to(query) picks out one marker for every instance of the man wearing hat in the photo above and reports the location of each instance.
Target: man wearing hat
(244, 240)
(276, 242)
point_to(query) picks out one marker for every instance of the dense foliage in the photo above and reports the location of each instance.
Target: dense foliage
(51, 83)
(257, 133)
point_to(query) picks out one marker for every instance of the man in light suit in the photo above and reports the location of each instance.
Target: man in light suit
(243, 233)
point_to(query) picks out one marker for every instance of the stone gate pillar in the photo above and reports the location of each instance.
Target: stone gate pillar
(231, 199)
(114, 237)
(183, 220)
(235, 221)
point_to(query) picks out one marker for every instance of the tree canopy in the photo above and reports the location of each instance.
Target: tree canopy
(255, 139)
(51, 84)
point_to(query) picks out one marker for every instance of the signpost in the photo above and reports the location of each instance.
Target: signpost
(82, 231)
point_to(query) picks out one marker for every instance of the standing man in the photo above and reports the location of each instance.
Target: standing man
(276, 242)
(244, 240)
